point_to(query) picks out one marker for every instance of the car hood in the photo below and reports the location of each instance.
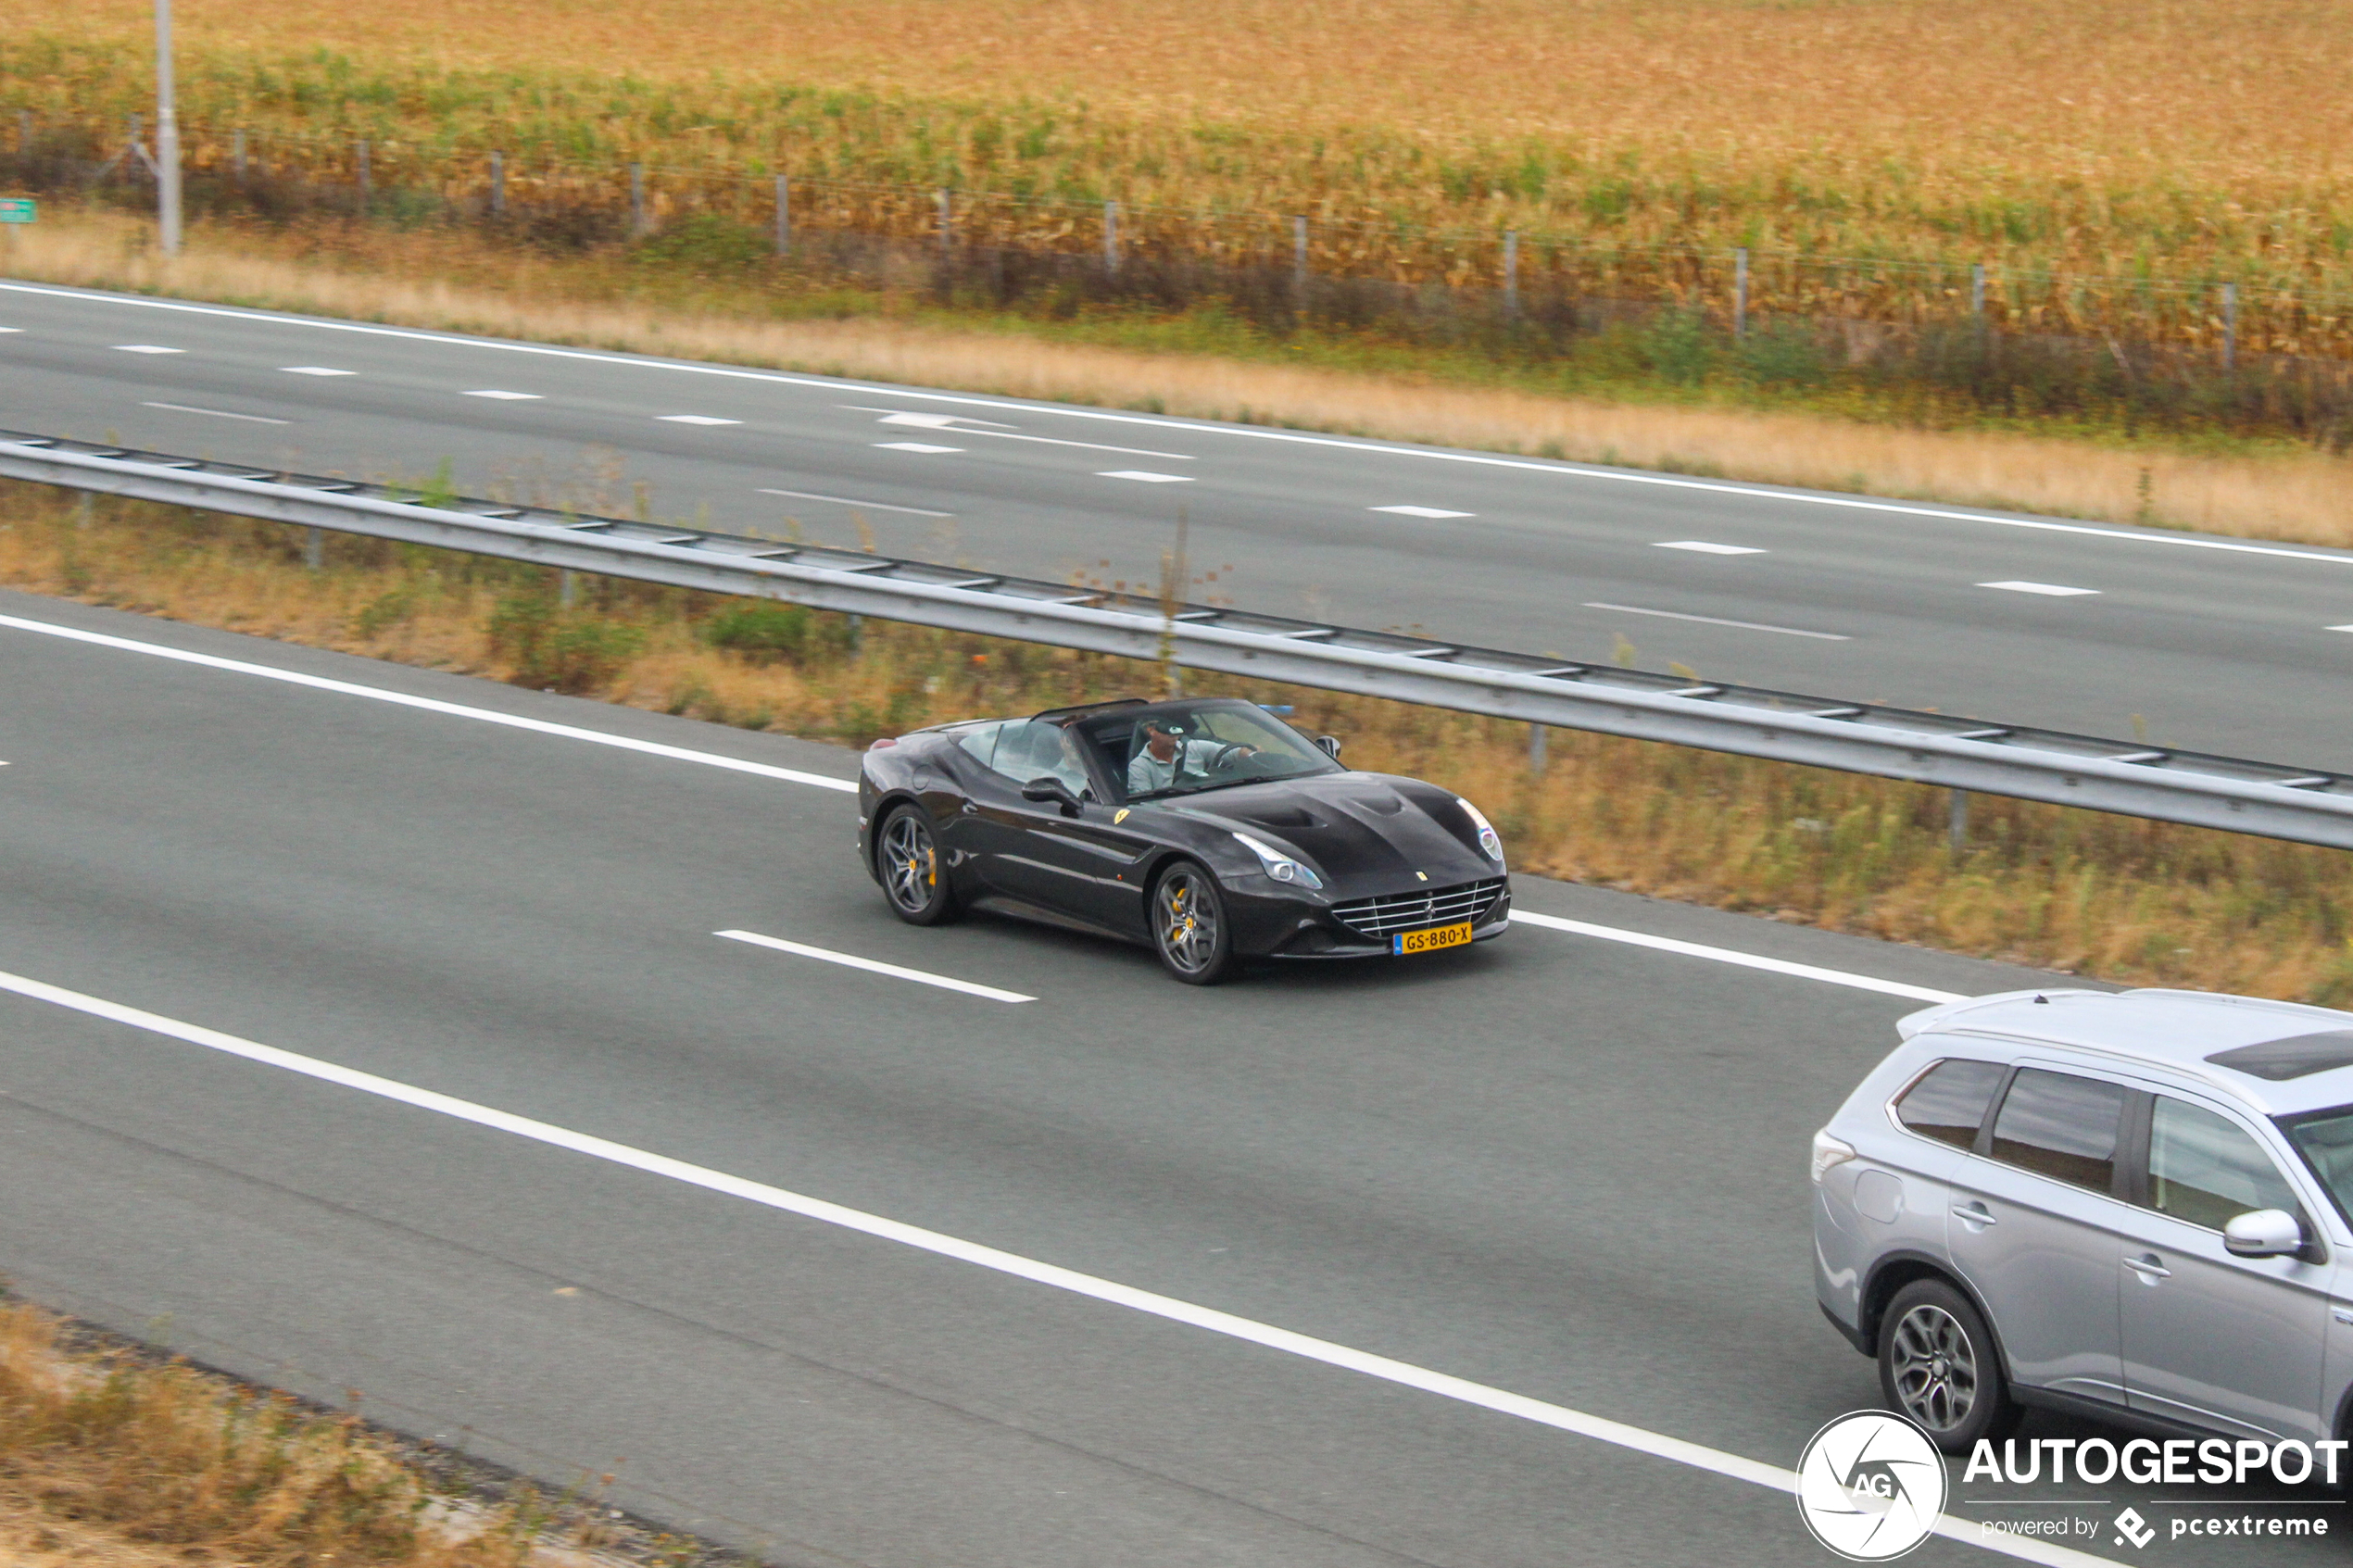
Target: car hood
(1363, 832)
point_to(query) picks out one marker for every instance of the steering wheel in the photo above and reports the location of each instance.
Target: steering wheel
(1222, 754)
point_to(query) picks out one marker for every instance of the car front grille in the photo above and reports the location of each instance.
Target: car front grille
(1380, 918)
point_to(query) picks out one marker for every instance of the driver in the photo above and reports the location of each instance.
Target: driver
(1166, 754)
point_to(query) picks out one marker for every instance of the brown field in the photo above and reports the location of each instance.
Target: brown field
(453, 282)
(2103, 896)
(2173, 139)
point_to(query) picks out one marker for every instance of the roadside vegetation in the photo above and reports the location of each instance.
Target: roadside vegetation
(113, 1457)
(2109, 896)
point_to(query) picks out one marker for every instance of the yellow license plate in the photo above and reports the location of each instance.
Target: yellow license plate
(1431, 938)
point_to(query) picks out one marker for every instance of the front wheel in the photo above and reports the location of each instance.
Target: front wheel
(912, 878)
(1937, 1364)
(1189, 925)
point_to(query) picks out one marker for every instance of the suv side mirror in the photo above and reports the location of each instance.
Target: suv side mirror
(2264, 1232)
(1328, 746)
(1054, 789)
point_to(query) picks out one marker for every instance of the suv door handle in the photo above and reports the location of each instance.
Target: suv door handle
(2148, 1267)
(1973, 1215)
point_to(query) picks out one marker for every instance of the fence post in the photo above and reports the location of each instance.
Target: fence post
(1298, 259)
(1977, 290)
(637, 201)
(367, 176)
(498, 183)
(783, 213)
(2230, 326)
(1511, 281)
(237, 145)
(1111, 236)
(1740, 292)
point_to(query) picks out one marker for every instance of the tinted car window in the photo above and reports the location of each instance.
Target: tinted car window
(2206, 1169)
(1949, 1103)
(2061, 1126)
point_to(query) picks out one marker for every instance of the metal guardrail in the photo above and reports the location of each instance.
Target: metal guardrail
(2310, 806)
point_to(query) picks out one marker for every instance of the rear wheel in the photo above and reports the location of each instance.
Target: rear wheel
(1189, 925)
(912, 877)
(1937, 1365)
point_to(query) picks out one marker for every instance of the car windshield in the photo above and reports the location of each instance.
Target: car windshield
(2326, 1140)
(1173, 750)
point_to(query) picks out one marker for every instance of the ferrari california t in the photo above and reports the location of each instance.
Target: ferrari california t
(1209, 830)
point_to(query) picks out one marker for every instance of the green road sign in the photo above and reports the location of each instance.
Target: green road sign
(18, 209)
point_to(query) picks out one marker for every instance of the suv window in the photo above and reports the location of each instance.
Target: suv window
(2205, 1169)
(1948, 1103)
(2061, 1126)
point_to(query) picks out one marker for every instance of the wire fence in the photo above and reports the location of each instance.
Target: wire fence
(2272, 351)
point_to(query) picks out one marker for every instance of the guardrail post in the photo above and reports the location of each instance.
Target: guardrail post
(1740, 293)
(1957, 827)
(1111, 236)
(946, 221)
(1536, 733)
(2230, 326)
(1298, 259)
(784, 214)
(237, 156)
(1511, 273)
(367, 176)
(498, 183)
(637, 201)
(567, 587)
(1977, 290)
(314, 548)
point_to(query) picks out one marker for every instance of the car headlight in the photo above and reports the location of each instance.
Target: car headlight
(1489, 839)
(1279, 866)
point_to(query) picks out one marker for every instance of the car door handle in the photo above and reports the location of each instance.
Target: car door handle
(1973, 1215)
(2148, 1267)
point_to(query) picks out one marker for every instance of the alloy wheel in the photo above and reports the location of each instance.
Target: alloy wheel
(1187, 922)
(1935, 1368)
(909, 863)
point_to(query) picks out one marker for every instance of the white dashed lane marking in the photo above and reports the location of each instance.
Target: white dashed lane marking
(2048, 590)
(216, 413)
(1714, 620)
(914, 447)
(146, 348)
(1422, 511)
(695, 419)
(1142, 476)
(874, 966)
(1700, 546)
(315, 370)
(848, 501)
(506, 396)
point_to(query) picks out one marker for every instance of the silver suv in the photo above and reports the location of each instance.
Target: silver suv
(2128, 1207)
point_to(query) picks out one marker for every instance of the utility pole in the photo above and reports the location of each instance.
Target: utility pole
(167, 134)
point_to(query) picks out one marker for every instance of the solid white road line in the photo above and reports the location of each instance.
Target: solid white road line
(874, 966)
(695, 419)
(216, 413)
(315, 370)
(429, 704)
(914, 447)
(2049, 590)
(1143, 477)
(1401, 1373)
(1714, 620)
(959, 425)
(1421, 511)
(845, 501)
(1727, 955)
(1248, 433)
(1703, 547)
(146, 348)
(506, 396)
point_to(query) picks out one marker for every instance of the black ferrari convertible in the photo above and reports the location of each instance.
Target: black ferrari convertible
(1209, 829)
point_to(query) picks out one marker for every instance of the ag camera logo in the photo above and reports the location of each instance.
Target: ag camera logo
(1871, 1486)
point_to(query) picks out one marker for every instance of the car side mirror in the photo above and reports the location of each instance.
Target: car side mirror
(1054, 789)
(2264, 1232)
(1328, 746)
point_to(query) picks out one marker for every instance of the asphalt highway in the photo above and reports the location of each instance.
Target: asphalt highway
(1564, 1171)
(2223, 646)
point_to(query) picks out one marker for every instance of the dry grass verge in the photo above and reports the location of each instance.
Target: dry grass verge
(2127, 900)
(112, 1458)
(450, 282)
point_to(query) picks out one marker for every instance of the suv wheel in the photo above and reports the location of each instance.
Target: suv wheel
(1937, 1365)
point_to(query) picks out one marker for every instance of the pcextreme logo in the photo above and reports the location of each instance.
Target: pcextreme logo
(1870, 1486)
